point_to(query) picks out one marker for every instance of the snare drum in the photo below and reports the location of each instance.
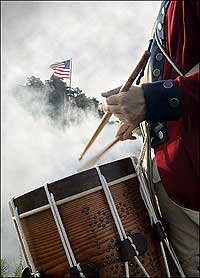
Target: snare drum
(87, 222)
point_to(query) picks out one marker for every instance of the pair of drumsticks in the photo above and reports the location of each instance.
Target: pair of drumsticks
(141, 65)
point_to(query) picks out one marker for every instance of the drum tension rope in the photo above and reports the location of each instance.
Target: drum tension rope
(129, 250)
(78, 270)
(30, 269)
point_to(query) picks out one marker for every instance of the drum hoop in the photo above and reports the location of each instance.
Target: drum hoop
(76, 196)
(73, 184)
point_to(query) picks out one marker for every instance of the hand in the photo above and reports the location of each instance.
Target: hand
(125, 132)
(128, 106)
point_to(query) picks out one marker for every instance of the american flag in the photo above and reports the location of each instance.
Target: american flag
(62, 69)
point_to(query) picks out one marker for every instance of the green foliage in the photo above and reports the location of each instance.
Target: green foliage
(4, 268)
(18, 271)
(34, 82)
(52, 98)
(19, 267)
(137, 131)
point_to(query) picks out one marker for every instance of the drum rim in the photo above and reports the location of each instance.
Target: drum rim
(74, 184)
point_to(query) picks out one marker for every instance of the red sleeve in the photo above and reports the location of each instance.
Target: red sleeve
(189, 93)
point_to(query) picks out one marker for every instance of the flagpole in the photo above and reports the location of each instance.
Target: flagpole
(70, 80)
(65, 100)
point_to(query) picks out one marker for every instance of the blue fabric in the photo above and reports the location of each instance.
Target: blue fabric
(156, 137)
(154, 64)
(159, 102)
(67, 64)
(154, 115)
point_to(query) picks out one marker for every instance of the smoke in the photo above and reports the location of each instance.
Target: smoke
(104, 40)
(35, 152)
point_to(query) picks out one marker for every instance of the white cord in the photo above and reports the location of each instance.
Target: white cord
(71, 263)
(63, 230)
(145, 192)
(80, 271)
(153, 218)
(118, 222)
(22, 236)
(165, 259)
(141, 266)
(166, 56)
(147, 200)
(127, 270)
(112, 206)
(174, 257)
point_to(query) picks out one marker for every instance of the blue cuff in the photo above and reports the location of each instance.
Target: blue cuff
(162, 101)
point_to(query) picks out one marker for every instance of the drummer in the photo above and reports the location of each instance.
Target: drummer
(170, 104)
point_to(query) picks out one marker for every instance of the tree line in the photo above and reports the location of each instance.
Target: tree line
(55, 99)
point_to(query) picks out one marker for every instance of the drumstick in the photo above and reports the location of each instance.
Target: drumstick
(92, 161)
(124, 88)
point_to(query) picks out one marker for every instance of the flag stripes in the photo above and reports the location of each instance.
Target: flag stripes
(62, 69)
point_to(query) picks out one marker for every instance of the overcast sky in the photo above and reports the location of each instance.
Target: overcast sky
(105, 40)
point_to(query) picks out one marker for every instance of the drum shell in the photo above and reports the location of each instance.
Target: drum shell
(90, 228)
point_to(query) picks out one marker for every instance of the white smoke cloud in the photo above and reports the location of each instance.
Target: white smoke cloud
(105, 40)
(35, 152)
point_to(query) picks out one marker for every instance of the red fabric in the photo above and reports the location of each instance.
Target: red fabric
(178, 159)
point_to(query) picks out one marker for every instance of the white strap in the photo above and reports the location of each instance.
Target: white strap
(190, 72)
(166, 55)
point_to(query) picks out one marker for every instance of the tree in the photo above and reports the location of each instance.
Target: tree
(34, 82)
(52, 98)
(4, 268)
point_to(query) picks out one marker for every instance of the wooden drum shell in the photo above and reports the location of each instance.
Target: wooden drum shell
(89, 225)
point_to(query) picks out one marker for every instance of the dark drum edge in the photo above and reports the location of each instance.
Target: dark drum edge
(74, 184)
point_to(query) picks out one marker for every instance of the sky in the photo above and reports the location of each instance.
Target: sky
(105, 39)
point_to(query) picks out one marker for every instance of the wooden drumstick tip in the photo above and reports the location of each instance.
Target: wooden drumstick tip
(80, 157)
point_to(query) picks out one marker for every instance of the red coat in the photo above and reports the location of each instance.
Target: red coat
(178, 158)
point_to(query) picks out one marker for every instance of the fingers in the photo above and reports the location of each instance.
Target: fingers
(111, 92)
(128, 134)
(122, 129)
(113, 100)
(110, 108)
(112, 105)
(121, 117)
(125, 132)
